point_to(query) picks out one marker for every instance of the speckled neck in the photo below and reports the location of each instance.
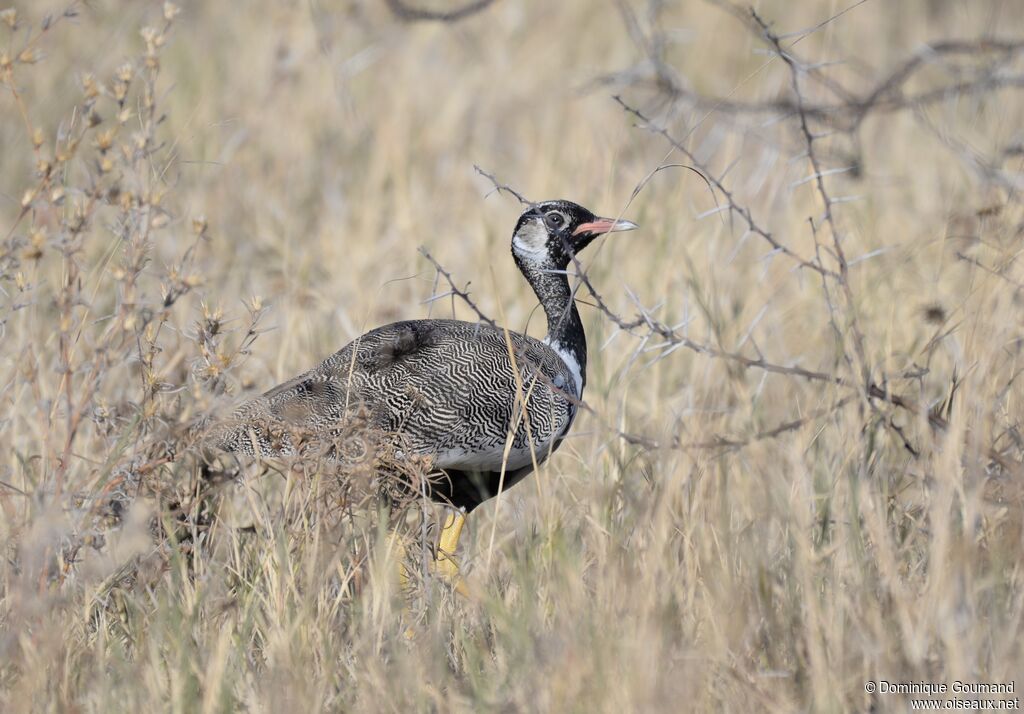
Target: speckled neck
(565, 329)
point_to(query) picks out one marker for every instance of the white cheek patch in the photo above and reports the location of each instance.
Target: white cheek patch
(531, 241)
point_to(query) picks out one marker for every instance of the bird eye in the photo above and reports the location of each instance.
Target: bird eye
(555, 220)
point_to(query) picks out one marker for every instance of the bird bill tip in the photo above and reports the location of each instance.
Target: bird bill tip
(623, 225)
(605, 225)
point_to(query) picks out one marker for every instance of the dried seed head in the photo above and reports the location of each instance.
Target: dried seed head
(38, 137)
(104, 140)
(214, 314)
(37, 240)
(935, 313)
(170, 11)
(9, 17)
(66, 151)
(199, 225)
(89, 86)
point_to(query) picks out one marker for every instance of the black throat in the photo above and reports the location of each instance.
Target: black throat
(565, 329)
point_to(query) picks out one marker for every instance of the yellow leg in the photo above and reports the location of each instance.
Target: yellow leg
(449, 543)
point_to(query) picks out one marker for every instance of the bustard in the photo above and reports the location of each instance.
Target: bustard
(451, 388)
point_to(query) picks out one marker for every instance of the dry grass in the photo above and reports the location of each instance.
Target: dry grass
(756, 548)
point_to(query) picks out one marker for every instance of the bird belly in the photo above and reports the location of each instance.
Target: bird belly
(492, 459)
(471, 479)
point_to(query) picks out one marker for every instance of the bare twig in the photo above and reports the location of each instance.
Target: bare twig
(670, 335)
(733, 444)
(645, 326)
(499, 187)
(992, 271)
(742, 211)
(887, 96)
(843, 278)
(461, 293)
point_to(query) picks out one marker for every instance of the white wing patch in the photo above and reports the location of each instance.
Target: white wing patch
(574, 367)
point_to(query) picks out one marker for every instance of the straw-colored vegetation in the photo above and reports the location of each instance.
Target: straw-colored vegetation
(800, 469)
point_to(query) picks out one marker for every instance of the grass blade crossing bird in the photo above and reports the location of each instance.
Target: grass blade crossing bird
(483, 407)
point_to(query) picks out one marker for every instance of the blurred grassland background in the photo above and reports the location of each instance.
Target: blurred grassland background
(203, 209)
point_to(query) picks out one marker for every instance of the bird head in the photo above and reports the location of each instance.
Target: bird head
(549, 232)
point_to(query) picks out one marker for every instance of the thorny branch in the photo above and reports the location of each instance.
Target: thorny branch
(645, 326)
(461, 293)
(717, 444)
(991, 68)
(728, 444)
(843, 278)
(1018, 285)
(851, 108)
(499, 187)
(734, 207)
